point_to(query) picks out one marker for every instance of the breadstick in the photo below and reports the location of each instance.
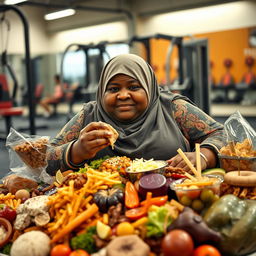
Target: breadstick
(192, 168)
(198, 160)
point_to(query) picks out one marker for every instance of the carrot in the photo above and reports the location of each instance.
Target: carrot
(75, 222)
(131, 196)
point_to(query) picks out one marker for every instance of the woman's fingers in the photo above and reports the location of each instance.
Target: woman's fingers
(95, 126)
(177, 161)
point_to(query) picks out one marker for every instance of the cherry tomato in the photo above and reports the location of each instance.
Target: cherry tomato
(7, 212)
(79, 253)
(177, 242)
(60, 250)
(206, 250)
(193, 192)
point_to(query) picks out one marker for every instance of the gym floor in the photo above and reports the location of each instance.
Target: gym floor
(51, 126)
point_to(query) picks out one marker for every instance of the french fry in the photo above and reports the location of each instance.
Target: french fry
(75, 223)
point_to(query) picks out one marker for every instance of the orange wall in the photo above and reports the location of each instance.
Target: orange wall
(224, 44)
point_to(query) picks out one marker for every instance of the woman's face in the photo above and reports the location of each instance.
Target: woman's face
(124, 99)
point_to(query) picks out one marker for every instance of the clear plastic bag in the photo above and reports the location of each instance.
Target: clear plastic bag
(240, 151)
(238, 130)
(28, 155)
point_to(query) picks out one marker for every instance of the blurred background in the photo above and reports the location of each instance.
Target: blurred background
(204, 49)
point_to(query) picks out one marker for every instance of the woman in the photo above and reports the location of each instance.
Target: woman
(55, 98)
(151, 123)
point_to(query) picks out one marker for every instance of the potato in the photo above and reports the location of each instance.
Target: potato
(22, 193)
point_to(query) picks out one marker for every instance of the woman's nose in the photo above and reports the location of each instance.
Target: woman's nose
(123, 94)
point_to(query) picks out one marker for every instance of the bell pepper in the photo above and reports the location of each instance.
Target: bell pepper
(159, 200)
(131, 196)
(235, 219)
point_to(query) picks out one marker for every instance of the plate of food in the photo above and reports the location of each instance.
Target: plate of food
(141, 165)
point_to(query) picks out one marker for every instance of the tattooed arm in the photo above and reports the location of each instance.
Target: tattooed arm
(58, 152)
(198, 127)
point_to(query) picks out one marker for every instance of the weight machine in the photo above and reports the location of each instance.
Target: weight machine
(10, 111)
(193, 79)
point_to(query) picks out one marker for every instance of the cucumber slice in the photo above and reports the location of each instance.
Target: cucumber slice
(218, 171)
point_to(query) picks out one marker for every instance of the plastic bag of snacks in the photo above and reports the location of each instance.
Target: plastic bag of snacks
(240, 150)
(28, 155)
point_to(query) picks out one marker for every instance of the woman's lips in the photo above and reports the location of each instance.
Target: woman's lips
(125, 107)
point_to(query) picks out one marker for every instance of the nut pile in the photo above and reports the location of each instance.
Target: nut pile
(33, 153)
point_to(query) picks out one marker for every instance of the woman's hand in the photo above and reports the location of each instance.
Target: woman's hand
(177, 161)
(93, 138)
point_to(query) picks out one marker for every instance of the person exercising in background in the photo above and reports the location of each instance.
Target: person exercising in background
(55, 98)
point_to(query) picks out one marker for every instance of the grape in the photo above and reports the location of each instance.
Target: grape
(197, 205)
(185, 200)
(207, 195)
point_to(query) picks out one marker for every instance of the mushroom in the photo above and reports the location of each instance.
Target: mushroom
(130, 245)
(27, 245)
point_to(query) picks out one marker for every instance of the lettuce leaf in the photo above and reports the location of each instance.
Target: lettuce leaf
(158, 221)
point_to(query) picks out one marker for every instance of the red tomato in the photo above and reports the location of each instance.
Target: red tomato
(60, 250)
(177, 242)
(206, 250)
(193, 193)
(79, 253)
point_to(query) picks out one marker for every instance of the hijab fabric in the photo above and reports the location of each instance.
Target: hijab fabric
(155, 133)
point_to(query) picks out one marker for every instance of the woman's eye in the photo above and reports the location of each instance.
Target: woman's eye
(135, 87)
(113, 89)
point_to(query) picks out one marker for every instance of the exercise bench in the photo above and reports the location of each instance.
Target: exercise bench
(6, 106)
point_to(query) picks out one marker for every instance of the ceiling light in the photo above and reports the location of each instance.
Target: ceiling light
(14, 1)
(59, 14)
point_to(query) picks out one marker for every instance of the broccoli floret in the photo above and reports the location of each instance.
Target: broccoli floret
(6, 249)
(85, 241)
(95, 164)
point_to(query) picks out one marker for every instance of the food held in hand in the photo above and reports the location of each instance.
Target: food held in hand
(114, 135)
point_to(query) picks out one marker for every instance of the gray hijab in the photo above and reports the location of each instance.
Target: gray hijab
(155, 133)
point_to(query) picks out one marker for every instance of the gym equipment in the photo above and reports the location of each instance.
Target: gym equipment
(94, 61)
(3, 9)
(7, 110)
(193, 67)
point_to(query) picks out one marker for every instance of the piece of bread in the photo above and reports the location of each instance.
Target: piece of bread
(114, 135)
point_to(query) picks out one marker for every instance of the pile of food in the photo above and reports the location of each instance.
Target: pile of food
(239, 161)
(101, 211)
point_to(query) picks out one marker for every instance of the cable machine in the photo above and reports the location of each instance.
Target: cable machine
(3, 9)
(93, 66)
(193, 67)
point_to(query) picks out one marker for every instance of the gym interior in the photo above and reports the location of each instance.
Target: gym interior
(204, 49)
